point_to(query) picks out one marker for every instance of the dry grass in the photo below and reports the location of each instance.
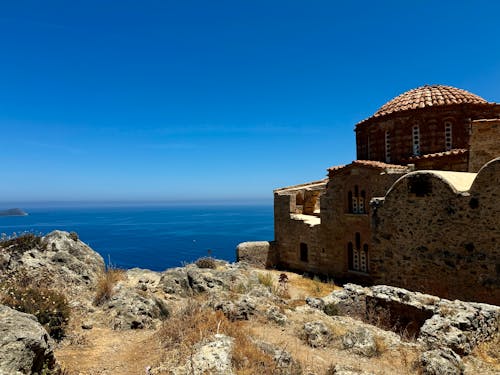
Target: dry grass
(106, 283)
(266, 279)
(489, 352)
(194, 324)
(312, 287)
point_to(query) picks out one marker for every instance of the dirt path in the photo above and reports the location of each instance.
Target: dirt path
(103, 351)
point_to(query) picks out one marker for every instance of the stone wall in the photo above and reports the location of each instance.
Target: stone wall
(428, 236)
(484, 145)
(340, 227)
(371, 134)
(260, 254)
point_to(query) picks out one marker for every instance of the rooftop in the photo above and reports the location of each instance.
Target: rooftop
(428, 96)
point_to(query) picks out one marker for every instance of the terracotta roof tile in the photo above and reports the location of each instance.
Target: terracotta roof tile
(427, 96)
(372, 164)
(456, 151)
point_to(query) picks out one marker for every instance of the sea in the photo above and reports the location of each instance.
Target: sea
(154, 237)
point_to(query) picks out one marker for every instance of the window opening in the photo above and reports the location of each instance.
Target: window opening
(304, 252)
(387, 147)
(356, 201)
(364, 259)
(350, 255)
(448, 135)
(416, 140)
(357, 257)
(361, 203)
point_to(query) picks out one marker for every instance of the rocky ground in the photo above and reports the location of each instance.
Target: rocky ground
(213, 317)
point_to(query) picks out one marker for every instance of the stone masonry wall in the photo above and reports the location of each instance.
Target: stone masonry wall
(440, 241)
(371, 141)
(484, 145)
(339, 227)
(260, 254)
(291, 231)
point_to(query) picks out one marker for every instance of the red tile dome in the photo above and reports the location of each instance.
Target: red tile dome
(428, 96)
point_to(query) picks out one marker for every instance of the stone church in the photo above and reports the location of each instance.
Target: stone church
(419, 208)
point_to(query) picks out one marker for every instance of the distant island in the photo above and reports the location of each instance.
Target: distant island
(13, 212)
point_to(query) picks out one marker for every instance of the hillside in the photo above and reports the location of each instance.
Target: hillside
(213, 317)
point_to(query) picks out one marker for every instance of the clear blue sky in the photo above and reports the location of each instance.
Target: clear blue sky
(166, 100)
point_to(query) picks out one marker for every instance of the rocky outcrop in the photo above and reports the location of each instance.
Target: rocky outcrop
(211, 357)
(360, 341)
(441, 362)
(191, 279)
(25, 346)
(58, 258)
(317, 334)
(130, 309)
(436, 323)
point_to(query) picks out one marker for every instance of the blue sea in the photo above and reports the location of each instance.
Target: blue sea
(152, 237)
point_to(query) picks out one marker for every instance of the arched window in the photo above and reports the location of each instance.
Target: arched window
(447, 135)
(355, 207)
(361, 202)
(416, 140)
(356, 202)
(357, 256)
(387, 147)
(363, 259)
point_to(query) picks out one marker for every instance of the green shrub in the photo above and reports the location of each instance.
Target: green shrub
(206, 262)
(331, 309)
(22, 243)
(73, 236)
(50, 307)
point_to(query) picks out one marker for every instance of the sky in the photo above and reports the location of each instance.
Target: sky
(216, 100)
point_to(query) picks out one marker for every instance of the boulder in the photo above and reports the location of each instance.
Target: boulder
(360, 341)
(240, 309)
(441, 362)
(317, 334)
(175, 281)
(25, 346)
(274, 314)
(131, 309)
(59, 258)
(210, 357)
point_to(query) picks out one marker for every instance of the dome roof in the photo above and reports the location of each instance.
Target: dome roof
(428, 96)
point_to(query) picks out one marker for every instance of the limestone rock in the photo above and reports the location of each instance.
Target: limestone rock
(274, 314)
(212, 357)
(285, 364)
(441, 362)
(130, 309)
(25, 346)
(317, 334)
(175, 281)
(436, 322)
(59, 257)
(361, 341)
(460, 326)
(241, 309)
(191, 279)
